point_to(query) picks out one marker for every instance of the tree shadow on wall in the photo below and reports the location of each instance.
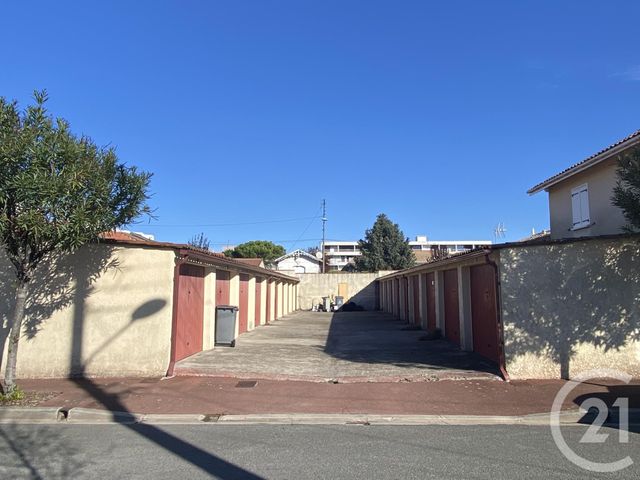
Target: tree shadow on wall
(558, 297)
(53, 288)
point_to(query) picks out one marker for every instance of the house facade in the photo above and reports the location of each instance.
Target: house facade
(298, 261)
(580, 196)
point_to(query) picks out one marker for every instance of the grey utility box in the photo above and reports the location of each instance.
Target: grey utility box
(226, 325)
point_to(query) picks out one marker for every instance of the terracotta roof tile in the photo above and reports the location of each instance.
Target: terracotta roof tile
(575, 166)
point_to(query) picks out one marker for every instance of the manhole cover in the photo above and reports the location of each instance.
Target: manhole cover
(246, 383)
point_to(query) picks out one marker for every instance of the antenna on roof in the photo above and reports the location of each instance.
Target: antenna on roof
(499, 232)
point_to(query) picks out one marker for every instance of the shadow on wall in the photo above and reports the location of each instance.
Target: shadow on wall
(556, 298)
(367, 298)
(53, 288)
(188, 452)
(380, 338)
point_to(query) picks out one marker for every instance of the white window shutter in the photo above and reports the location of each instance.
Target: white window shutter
(575, 208)
(584, 206)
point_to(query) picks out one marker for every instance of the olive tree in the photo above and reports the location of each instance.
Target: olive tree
(58, 192)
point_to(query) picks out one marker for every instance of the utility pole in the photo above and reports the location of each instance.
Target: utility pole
(324, 222)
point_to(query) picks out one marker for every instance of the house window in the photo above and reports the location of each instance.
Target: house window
(580, 206)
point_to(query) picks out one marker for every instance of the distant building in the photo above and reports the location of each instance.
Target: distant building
(425, 249)
(339, 255)
(298, 261)
(580, 196)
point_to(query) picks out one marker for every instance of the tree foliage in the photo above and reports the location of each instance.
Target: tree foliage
(626, 193)
(58, 192)
(200, 241)
(268, 251)
(384, 248)
(312, 250)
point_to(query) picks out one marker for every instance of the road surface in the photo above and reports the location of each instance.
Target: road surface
(300, 452)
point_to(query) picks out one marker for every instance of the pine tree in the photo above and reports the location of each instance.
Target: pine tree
(384, 248)
(626, 193)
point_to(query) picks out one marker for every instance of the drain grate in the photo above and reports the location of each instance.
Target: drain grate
(246, 383)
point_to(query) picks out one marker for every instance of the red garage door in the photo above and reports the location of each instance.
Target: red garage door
(222, 287)
(190, 311)
(258, 315)
(243, 313)
(451, 312)
(484, 318)
(431, 301)
(416, 300)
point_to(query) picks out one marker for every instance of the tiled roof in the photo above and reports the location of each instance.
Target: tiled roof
(126, 237)
(574, 168)
(300, 253)
(218, 259)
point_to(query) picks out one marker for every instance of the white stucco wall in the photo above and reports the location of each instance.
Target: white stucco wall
(104, 311)
(571, 307)
(299, 265)
(361, 288)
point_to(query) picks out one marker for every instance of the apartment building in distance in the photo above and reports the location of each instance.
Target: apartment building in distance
(340, 254)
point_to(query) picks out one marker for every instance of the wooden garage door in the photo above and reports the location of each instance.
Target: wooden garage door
(243, 313)
(451, 311)
(431, 301)
(484, 318)
(222, 287)
(190, 312)
(258, 315)
(416, 300)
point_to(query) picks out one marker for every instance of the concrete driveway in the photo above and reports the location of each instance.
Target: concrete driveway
(344, 347)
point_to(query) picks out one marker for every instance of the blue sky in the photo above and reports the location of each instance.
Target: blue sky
(439, 114)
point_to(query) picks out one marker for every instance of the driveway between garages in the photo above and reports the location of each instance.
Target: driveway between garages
(339, 347)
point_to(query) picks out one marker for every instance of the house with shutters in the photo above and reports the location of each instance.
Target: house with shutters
(580, 196)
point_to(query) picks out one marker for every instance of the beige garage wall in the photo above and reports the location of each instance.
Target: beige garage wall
(360, 288)
(568, 308)
(104, 311)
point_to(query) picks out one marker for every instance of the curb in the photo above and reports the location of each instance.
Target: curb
(399, 420)
(92, 416)
(89, 416)
(30, 415)
(460, 375)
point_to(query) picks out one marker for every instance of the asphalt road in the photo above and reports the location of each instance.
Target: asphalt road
(300, 452)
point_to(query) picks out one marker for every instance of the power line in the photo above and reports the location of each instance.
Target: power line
(303, 232)
(259, 222)
(274, 241)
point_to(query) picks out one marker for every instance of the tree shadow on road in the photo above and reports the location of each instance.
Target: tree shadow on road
(207, 462)
(38, 453)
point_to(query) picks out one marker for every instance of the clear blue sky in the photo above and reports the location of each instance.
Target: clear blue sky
(439, 114)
